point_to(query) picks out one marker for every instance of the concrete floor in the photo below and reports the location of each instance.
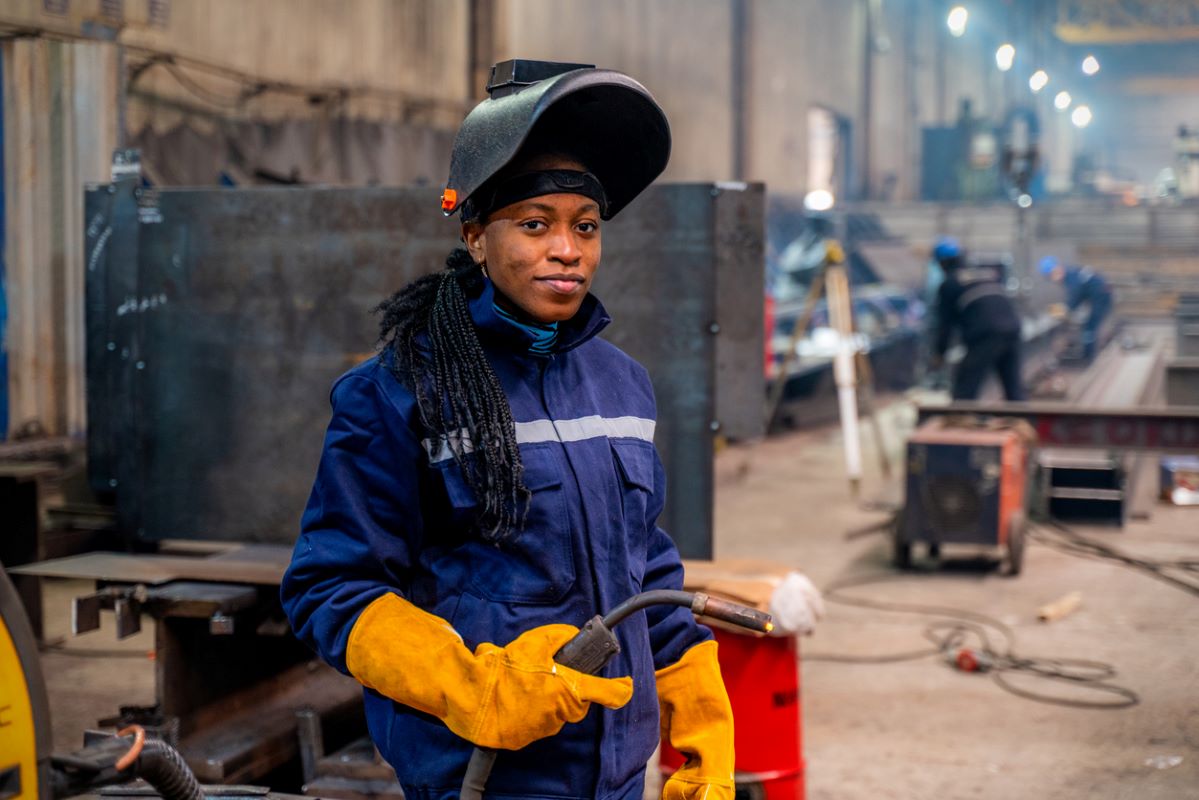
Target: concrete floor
(921, 729)
(908, 730)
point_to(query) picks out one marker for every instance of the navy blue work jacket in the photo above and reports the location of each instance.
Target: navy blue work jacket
(974, 301)
(390, 512)
(1085, 285)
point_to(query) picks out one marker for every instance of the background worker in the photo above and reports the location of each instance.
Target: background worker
(1083, 285)
(489, 482)
(973, 300)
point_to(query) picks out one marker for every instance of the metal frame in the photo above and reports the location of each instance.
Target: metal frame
(1167, 430)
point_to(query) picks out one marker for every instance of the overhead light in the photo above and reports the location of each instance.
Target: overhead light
(1004, 57)
(958, 16)
(1081, 116)
(1024, 200)
(1039, 80)
(819, 200)
(1062, 101)
(1090, 65)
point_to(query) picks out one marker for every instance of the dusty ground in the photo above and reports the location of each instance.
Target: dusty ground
(908, 730)
(920, 729)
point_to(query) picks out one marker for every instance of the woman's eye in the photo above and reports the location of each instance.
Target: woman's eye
(587, 227)
(533, 225)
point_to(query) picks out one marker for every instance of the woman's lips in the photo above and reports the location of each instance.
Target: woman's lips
(562, 285)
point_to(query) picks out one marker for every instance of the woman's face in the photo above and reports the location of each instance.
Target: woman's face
(540, 253)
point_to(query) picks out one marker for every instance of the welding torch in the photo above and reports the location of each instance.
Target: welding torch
(595, 645)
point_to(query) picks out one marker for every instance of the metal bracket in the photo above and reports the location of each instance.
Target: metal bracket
(125, 602)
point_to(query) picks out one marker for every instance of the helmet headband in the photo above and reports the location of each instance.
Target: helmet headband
(535, 184)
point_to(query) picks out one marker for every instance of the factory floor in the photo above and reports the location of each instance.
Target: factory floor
(921, 729)
(914, 729)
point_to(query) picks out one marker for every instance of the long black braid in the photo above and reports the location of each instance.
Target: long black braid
(430, 344)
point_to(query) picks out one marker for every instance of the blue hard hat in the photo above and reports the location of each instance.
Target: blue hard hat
(946, 247)
(1049, 264)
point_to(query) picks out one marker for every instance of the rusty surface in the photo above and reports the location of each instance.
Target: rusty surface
(1167, 430)
(245, 735)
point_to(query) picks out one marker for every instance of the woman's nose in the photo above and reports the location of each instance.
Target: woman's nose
(564, 248)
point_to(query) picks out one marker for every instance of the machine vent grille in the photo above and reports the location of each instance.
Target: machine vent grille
(953, 502)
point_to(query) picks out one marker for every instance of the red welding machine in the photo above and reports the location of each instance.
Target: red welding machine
(966, 483)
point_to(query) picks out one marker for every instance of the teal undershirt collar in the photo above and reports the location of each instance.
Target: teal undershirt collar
(545, 336)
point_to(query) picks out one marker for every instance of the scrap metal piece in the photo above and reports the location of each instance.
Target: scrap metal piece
(85, 614)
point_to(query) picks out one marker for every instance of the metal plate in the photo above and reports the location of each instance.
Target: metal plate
(154, 569)
(218, 319)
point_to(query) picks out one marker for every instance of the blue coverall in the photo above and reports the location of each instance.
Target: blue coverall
(391, 512)
(1085, 285)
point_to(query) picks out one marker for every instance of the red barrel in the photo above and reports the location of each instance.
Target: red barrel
(761, 674)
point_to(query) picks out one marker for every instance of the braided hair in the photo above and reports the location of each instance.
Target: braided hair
(430, 344)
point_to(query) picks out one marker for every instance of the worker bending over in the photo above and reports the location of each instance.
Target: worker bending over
(489, 482)
(974, 301)
(1083, 285)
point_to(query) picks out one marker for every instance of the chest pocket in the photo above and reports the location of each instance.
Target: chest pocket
(635, 466)
(536, 564)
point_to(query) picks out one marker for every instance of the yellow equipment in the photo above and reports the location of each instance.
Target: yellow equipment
(25, 741)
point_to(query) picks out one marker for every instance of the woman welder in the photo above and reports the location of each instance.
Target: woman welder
(489, 481)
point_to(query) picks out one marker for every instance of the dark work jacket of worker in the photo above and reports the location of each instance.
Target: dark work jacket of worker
(973, 299)
(391, 512)
(1085, 285)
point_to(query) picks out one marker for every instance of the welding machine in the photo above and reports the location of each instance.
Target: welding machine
(966, 484)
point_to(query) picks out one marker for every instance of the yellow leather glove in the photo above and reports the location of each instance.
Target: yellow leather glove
(697, 720)
(497, 697)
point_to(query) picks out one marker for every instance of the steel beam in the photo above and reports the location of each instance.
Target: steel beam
(1166, 430)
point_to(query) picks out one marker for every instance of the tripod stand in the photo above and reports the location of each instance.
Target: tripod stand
(849, 362)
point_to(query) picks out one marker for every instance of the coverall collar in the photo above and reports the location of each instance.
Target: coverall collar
(587, 323)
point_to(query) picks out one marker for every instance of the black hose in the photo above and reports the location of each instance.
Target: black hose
(654, 597)
(161, 766)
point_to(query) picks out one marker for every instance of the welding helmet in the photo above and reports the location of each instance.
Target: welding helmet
(604, 118)
(946, 249)
(1049, 264)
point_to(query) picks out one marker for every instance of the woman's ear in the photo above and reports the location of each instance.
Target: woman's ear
(474, 235)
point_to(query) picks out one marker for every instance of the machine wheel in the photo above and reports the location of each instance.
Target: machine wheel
(1013, 560)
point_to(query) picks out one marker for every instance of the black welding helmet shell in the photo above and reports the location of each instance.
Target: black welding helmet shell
(604, 118)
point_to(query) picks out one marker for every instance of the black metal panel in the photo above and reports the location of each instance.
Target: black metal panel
(658, 281)
(740, 240)
(230, 313)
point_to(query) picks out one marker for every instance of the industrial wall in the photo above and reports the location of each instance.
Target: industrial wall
(60, 128)
(680, 49)
(799, 94)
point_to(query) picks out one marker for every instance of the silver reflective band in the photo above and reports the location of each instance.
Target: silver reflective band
(561, 430)
(978, 293)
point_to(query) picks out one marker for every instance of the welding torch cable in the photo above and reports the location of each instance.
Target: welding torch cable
(1069, 541)
(955, 631)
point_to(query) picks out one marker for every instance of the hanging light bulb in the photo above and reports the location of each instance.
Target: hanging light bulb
(1062, 101)
(958, 16)
(1039, 80)
(1090, 65)
(1004, 56)
(1081, 117)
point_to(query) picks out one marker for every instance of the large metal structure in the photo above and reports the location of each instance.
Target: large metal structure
(1173, 429)
(218, 319)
